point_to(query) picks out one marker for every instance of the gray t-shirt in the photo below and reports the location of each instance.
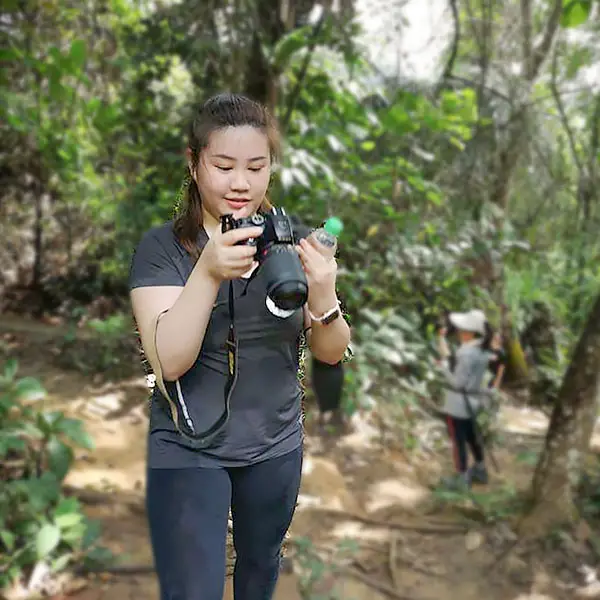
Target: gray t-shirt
(265, 419)
(471, 365)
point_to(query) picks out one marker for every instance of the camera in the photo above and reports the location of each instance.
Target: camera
(277, 257)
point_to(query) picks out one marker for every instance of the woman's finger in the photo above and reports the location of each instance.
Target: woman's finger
(236, 252)
(310, 251)
(323, 251)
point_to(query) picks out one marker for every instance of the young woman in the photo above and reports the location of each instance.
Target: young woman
(465, 392)
(497, 363)
(180, 277)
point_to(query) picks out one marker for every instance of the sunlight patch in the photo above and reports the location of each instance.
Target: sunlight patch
(394, 492)
(356, 531)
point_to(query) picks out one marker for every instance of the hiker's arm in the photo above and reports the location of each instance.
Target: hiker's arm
(458, 378)
(443, 348)
(499, 376)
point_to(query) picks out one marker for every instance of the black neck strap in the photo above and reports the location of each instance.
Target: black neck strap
(207, 437)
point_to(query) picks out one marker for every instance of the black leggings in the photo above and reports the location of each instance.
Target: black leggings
(187, 513)
(462, 432)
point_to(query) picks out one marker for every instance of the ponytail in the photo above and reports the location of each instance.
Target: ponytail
(486, 340)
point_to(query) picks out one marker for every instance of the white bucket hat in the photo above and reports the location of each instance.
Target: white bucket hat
(474, 321)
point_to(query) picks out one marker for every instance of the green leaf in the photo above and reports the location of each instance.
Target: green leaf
(290, 44)
(8, 539)
(93, 531)
(75, 431)
(575, 13)
(47, 540)
(368, 145)
(68, 521)
(578, 59)
(77, 55)
(29, 388)
(61, 562)
(10, 369)
(60, 458)
(7, 54)
(56, 89)
(67, 506)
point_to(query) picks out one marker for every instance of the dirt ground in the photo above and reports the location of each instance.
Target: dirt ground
(408, 543)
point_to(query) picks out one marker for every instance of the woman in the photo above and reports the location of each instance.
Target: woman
(497, 364)
(179, 281)
(465, 393)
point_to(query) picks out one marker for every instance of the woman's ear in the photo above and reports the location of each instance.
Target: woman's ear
(192, 170)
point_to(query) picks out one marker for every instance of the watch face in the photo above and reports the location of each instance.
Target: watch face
(331, 317)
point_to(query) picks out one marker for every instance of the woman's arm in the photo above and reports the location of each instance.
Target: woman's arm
(172, 320)
(499, 376)
(183, 315)
(327, 343)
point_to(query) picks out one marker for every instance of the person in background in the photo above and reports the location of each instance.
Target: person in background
(464, 393)
(497, 362)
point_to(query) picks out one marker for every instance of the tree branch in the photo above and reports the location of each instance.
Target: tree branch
(526, 39)
(562, 112)
(295, 93)
(541, 50)
(454, 51)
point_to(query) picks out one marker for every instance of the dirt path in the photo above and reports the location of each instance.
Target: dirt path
(354, 487)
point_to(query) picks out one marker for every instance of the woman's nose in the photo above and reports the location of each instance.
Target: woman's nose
(239, 181)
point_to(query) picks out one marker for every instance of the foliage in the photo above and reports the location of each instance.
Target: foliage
(38, 524)
(101, 346)
(479, 189)
(319, 574)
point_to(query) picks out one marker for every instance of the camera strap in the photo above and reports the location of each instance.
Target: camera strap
(205, 438)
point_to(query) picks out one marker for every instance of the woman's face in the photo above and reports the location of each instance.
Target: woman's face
(465, 336)
(233, 173)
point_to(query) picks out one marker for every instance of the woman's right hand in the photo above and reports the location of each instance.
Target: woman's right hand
(223, 259)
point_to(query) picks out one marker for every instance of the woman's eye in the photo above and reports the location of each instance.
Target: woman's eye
(224, 168)
(256, 169)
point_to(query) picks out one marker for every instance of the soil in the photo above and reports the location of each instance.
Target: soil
(408, 542)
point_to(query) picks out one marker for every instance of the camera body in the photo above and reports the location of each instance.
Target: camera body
(277, 257)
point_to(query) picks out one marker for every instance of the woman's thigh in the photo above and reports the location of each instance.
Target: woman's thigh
(187, 514)
(262, 504)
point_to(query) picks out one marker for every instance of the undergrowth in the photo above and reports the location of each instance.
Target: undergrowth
(42, 531)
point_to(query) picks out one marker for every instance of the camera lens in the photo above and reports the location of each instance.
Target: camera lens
(289, 295)
(285, 278)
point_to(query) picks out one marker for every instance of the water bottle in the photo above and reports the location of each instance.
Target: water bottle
(327, 235)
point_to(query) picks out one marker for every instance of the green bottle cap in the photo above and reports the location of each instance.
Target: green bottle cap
(334, 226)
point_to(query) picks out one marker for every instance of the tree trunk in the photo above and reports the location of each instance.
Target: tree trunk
(261, 80)
(38, 232)
(571, 426)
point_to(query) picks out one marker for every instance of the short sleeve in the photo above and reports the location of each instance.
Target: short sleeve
(154, 263)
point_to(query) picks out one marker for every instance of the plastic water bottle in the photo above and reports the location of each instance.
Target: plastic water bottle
(328, 234)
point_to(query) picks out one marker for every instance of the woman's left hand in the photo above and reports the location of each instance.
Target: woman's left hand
(321, 271)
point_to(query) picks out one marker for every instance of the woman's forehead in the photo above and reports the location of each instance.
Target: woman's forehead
(239, 143)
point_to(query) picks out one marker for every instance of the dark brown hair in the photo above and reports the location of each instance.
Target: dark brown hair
(218, 112)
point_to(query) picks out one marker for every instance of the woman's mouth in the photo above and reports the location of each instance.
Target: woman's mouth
(236, 204)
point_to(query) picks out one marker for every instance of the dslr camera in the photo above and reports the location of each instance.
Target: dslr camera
(277, 258)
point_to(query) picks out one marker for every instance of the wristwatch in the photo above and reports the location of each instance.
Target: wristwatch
(328, 317)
